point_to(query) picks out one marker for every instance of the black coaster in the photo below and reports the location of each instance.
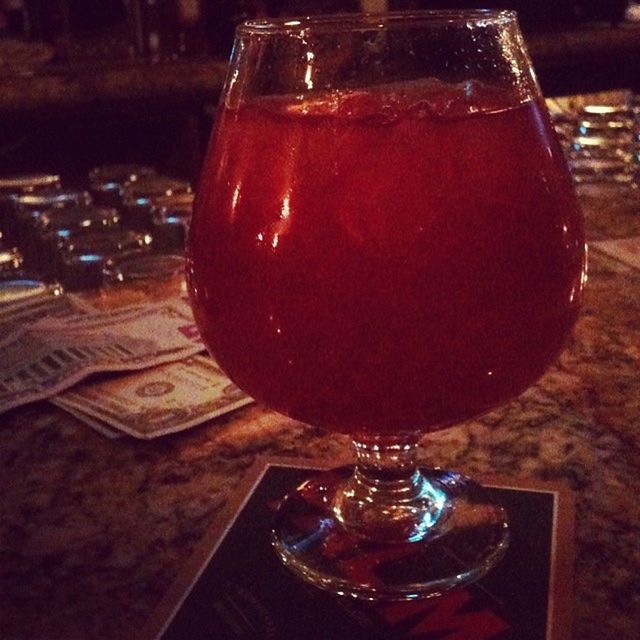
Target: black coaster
(235, 588)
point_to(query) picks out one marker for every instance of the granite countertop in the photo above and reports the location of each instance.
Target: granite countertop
(586, 43)
(78, 84)
(94, 530)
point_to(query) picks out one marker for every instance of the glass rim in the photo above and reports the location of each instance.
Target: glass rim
(344, 22)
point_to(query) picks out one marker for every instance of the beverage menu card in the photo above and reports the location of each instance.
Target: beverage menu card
(235, 588)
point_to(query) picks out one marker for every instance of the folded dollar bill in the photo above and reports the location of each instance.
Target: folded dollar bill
(15, 315)
(101, 427)
(45, 357)
(626, 250)
(154, 402)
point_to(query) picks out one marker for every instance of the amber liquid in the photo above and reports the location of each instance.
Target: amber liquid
(385, 263)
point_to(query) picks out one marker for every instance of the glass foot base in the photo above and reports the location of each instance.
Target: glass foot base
(467, 538)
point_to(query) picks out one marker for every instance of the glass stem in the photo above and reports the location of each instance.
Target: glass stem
(387, 498)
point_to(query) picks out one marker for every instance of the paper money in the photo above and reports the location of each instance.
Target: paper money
(101, 427)
(16, 315)
(626, 250)
(50, 355)
(155, 402)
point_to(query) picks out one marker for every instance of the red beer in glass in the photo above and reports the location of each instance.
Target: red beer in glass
(385, 248)
(370, 268)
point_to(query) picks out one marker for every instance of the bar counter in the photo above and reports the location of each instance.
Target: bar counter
(93, 531)
(70, 85)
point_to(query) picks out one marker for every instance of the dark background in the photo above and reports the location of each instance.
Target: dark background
(170, 130)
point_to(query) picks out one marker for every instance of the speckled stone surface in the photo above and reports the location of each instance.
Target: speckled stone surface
(67, 86)
(92, 531)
